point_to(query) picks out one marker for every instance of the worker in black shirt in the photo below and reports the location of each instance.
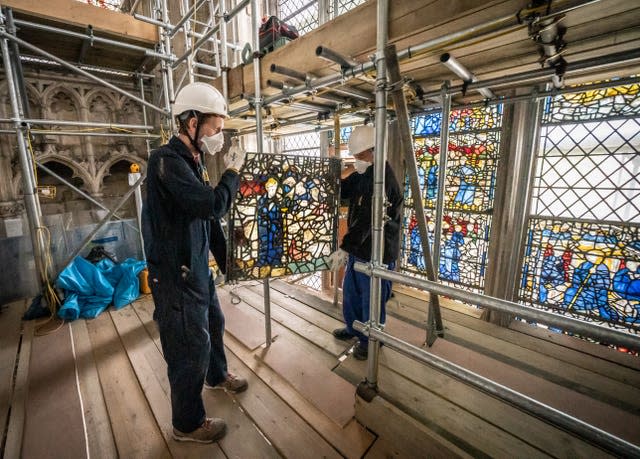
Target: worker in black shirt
(181, 223)
(357, 187)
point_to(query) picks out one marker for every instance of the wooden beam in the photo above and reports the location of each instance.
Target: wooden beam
(353, 34)
(72, 12)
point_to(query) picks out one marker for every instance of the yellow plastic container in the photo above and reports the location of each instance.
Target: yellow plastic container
(143, 277)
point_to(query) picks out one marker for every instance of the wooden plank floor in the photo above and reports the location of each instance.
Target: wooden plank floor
(301, 400)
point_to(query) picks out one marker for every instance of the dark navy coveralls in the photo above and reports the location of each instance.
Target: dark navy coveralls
(180, 225)
(358, 189)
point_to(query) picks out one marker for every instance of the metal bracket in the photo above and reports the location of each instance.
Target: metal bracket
(367, 391)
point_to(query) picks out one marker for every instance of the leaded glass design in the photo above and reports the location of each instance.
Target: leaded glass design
(596, 104)
(310, 280)
(302, 144)
(302, 14)
(284, 220)
(343, 6)
(583, 245)
(474, 140)
(586, 270)
(589, 170)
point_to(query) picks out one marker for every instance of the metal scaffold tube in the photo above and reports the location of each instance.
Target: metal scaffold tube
(379, 196)
(78, 70)
(442, 169)
(80, 124)
(502, 24)
(619, 446)
(32, 205)
(224, 54)
(231, 14)
(93, 134)
(434, 320)
(91, 37)
(102, 222)
(580, 327)
(167, 70)
(257, 101)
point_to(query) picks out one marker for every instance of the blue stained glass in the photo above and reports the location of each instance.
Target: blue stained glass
(587, 270)
(427, 125)
(472, 158)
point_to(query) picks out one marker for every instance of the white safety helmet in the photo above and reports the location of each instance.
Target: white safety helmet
(201, 97)
(362, 138)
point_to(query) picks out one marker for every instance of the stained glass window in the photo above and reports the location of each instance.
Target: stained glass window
(583, 248)
(587, 270)
(474, 140)
(284, 220)
(596, 104)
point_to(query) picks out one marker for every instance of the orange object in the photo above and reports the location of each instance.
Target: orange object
(144, 281)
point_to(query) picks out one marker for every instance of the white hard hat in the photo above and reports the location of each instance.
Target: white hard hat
(362, 138)
(201, 97)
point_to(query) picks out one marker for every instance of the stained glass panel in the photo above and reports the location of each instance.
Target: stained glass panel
(471, 170)
(284, 220)
(472, 158)
(583, 246)
(595, 104)
(587, 270)
(427, 125)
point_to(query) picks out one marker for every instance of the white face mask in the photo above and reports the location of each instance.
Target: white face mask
(212, 144)
(361, 166)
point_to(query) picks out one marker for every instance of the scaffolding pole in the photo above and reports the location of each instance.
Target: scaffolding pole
(491, 27)
(30, 196)
(78, 70)
(577, 326)
(91, 38)
(102, 222)
(379, 194)
(255, 14)
(167, 70)
(434, 319)
(619, 446)
(88, 197)
(442, 174)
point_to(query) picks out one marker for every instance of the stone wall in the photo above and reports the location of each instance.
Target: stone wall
(97, 165)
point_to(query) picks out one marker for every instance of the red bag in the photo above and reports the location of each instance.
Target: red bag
(273, 28)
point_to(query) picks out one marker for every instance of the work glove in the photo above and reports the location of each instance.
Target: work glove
(235, 157)
(337, 259)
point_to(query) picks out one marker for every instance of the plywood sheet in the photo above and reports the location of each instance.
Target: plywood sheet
(329, 392)
(53, 395)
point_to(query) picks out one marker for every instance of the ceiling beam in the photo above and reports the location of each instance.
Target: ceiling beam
(75, 13)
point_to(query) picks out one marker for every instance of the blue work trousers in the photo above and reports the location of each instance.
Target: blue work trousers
(191, 326)
(355, 297)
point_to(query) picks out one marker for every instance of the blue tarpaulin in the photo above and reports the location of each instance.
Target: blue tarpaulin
(90, 289)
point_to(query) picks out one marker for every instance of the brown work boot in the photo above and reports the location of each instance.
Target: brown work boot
(232, 384)
(212, 429)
